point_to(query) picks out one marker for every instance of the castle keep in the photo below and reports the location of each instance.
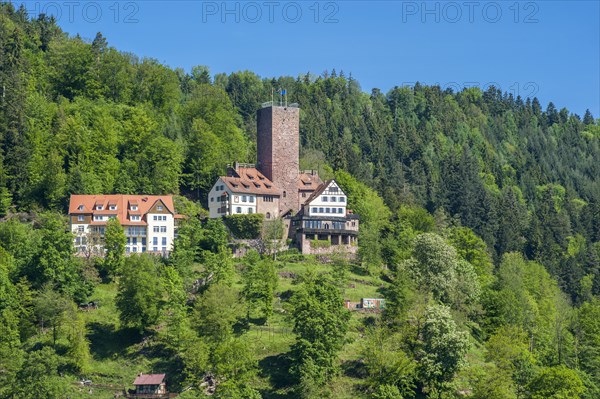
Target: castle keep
(315, 212)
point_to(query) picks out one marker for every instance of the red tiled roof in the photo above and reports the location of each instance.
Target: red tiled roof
(308, 181)
(149, 379)
(144, 202)
(250, 181)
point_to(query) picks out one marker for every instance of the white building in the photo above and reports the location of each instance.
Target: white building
(330, 200)
(244, 190)
(324, 224)
(148, 221)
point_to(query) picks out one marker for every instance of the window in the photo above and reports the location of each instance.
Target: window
(134, 207)
(80, 229)
(155, 240)
(249, 210)
(159, 208)
(155, 217)
(321, 210)
(327, 210)
(340, 210)
(212, 199)
(164, 218)
(251, 199)
(134, 240)
(99, 207)
(135, 218)
(127, 249)
(163, 229)
(80, 218)
(238, 209)
(342, 199)
(98, 218)
(156, 229)
(303, 195)
(333, 189)
(112, 207)
(324, 198)
(80, 207)
(218, 199)
(268, 198)
(268, 215)
(284, 194)
(143, 243)
(164, 241)
(244, 198)
(128, 240)
(164, 249)
(143, 249)
(333, 199)
(315, 210)
(155, 249)
(134, 249)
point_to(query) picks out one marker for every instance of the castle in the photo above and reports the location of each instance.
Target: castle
(314, 211)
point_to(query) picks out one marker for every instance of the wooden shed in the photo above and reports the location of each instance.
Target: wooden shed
(150, 386)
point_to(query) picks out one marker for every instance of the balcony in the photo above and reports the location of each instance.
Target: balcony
(306, 230)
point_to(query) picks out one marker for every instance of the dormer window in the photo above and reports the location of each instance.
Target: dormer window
(112, 207)
(80, 207)
(246, 186)
(134, 207)
(99, 207)
(135, 218)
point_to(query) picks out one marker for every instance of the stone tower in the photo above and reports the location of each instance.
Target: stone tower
(278, 147)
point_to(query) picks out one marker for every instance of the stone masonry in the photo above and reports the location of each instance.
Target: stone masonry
(278, 139)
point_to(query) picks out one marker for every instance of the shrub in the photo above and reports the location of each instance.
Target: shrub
(245, 227)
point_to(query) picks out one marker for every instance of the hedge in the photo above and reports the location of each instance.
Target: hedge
(245, 227)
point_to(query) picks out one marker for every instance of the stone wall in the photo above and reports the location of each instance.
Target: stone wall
(278, 148)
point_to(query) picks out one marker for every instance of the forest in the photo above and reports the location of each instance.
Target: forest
(480, 226)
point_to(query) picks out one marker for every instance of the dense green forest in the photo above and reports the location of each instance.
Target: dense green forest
(480, 225)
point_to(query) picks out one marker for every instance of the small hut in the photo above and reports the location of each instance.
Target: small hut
(150, 386)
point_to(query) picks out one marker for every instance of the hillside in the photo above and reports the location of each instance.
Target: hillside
(480, 225)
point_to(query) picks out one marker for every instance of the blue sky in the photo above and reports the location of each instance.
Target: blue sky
(550, 49)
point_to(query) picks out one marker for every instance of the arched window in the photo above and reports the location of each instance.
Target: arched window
(268, 215)
(326, 226)
(284, 194)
